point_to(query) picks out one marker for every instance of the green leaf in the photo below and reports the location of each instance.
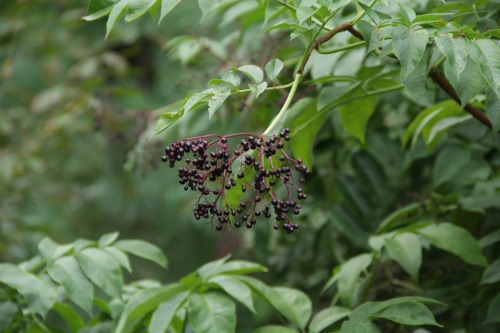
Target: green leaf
(444, 170)
(470, 82)
(8, 310)
(100, 267)
(212, 312)
(493, 311)
(273, 68)
(258, 89)
(304, 13)
(39, 294)
(455, 50)
(253, 72)
(370, 12)
(66, 271)
(456, 240)
(291, 303)
(409, 313)
(99, 8)
(349, 276)
(428, 119)
(236, 289)
(70, 317)
(493, 109)
(120, 257)
(395, 218)
(108, 239)
(142, 303)
(240, 267)
(327, 317)
(487, 53)
(217, 98)
(207, 6)
(51, 250)
(137, 8)
(305, 122)
(406, 250)
(407, 13)
(116, 13)
(492, 273)
(490, 238)
(212, 268)
(409, 47)
(164, 314)
(144, 250)
(355, 114)
(274, 329)
(374, 36)
(429, 19)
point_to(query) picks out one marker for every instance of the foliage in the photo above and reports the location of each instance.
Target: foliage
(392, 105)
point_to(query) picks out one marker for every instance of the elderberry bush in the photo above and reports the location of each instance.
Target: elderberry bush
(256, 165)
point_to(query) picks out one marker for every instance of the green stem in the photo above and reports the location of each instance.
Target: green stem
(288, 85)
(362, 13)
(286, 105)
(339, 49)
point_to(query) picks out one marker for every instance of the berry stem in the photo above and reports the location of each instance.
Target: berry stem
(289, 99)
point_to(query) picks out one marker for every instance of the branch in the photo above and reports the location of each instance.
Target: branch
(343, 27)
(446, 86)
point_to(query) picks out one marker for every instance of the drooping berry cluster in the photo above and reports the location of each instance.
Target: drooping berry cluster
(262, 167)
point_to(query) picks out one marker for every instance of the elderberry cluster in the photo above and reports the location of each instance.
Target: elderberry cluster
(262, 167)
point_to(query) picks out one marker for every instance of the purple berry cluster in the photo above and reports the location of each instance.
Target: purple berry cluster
(267, 178)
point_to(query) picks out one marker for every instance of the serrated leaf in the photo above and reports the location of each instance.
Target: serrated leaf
(167, 6)
(444, 171)
(253, 72)
(406, 250)
(236, 289)
(355, 115)
(164, 314)
(102, 269)
(142, 303)
(492, 273)
(493, 311)
(409, 313)
(115, 14)
(67, 272)
(273, 68)
(327, 317)
(470, 82)
(274, 329)
(409, 47)
(144, 250)
(487, 53)
(70, 317)
(216, 100)
(39, 294)
(120, 257)
(108, 239)
(456, 240)
(166, 120)
(212, 312)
